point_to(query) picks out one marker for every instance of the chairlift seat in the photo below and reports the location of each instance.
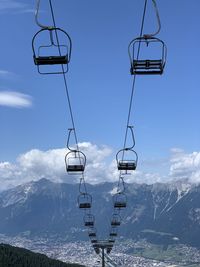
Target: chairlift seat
(127, 166)
(92, 234)
(85, 205)
(115, 223)
(113, 234)
(119, 204)
(51, 60)
(108, 250)
(97, 250)
(89, 223)
(75, 168)
(147, 67)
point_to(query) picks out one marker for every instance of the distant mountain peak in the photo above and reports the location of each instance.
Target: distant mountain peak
(45, 207)
(44, 181)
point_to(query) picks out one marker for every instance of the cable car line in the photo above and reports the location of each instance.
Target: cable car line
(132, 92)
(134, 79)
(72, 166)
(120, 163)
(84, 199)
(67, 92)
(127, 157)
(83, 195)
(141, 67)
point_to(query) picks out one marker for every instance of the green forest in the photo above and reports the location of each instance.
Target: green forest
(18, 257)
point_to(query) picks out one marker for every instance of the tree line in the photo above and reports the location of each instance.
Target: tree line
(18, 257)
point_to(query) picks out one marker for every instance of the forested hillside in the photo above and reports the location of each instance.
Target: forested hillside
(19, 257)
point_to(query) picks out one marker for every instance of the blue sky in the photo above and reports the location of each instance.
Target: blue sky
(33, 108)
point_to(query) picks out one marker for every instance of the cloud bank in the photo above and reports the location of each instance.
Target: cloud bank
(184, 166)
(37, 164)
(15, 99)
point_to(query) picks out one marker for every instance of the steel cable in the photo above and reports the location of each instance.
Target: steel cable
(121, 180)
(82, 179)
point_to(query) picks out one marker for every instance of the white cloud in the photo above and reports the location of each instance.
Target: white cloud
(8, 75)
(37, 164)
(185, 166)
(15, 99)
(4, 73)
(6, 5)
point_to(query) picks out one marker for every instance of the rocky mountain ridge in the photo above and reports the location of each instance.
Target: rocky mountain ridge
(160, 213)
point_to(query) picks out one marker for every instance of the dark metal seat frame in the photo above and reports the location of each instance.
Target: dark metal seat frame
(116, 220)
(52, 60)
(146, 66)
(120, 200)
(89, 220)
(124, 164)
(84, 201)
(79, 167)
(75, 168)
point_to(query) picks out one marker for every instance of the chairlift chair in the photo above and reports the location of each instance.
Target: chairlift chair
(120, 200)
(116, 220)
(85, 201)
(109, 249)
(113, 232)
(89, 220)
(125, 165)
(51, 52)
(110, 246)
(75, 162)
(92, 233)
(147, 66)
(96, 249)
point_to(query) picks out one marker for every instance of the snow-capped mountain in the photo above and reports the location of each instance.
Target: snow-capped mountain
(161, 213)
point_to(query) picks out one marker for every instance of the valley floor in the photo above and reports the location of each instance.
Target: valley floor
(125, 253)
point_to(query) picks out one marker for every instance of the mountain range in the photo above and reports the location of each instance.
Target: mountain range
(160, 213)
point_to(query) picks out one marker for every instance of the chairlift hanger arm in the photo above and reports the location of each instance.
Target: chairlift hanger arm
(128, 148)
(158, 21)
(121, 185)
(68, 139)
(36, 17)
(133, 137)
(82, 184)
